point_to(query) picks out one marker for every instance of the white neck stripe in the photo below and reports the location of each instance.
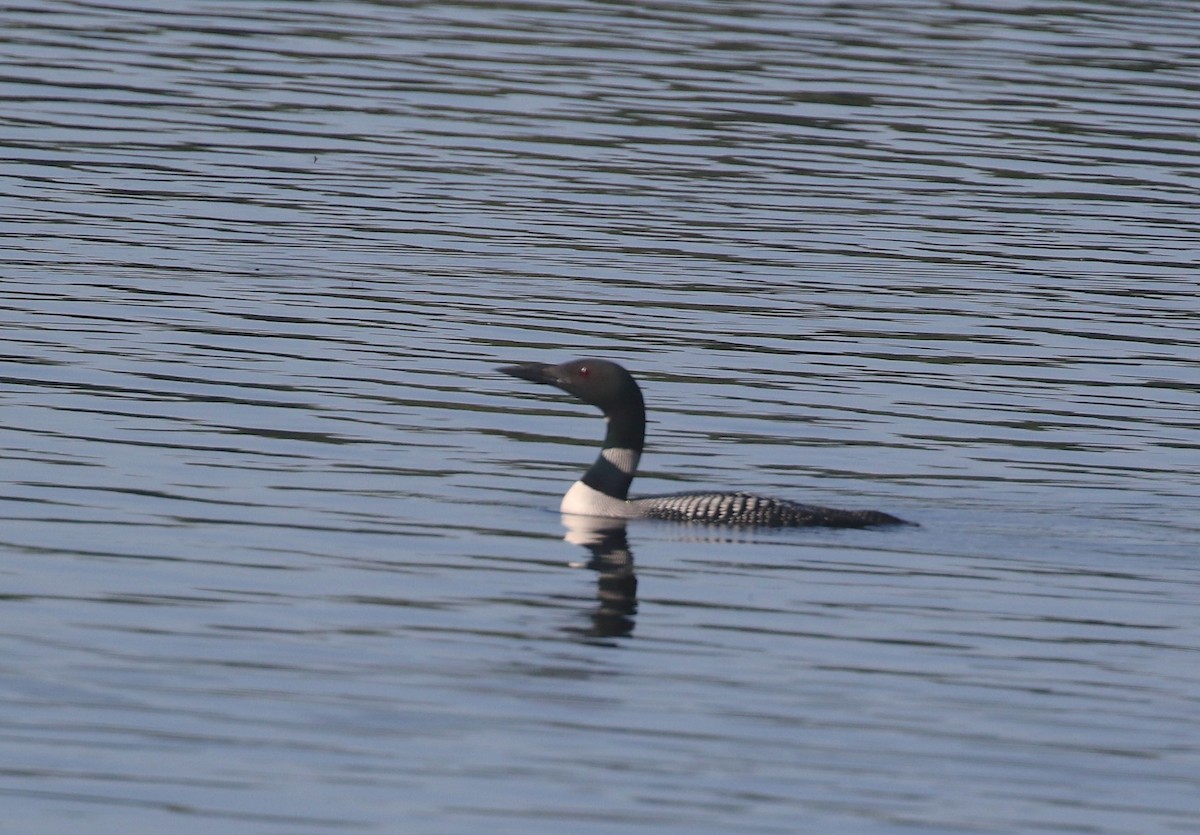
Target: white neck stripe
(625, 460)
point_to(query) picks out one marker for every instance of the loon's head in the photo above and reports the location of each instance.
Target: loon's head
(601, 383)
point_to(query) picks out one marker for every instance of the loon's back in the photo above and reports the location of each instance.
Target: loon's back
(604, 488)
(751, 510)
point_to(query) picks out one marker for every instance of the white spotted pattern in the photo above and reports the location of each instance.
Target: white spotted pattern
(749, 509)
(718, 508)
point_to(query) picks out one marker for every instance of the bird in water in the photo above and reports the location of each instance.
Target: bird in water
(604, 488)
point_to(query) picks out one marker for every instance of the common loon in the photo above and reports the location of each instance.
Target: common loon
(604, 488)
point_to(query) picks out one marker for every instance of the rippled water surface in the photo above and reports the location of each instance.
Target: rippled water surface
(279, 548)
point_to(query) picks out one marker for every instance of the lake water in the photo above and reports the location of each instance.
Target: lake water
(279, 548)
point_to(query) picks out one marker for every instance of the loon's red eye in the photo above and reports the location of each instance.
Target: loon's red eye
(583, 371)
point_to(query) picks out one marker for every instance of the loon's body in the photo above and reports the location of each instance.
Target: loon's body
(604, 488)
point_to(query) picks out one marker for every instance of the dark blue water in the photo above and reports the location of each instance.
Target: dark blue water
(279, 549)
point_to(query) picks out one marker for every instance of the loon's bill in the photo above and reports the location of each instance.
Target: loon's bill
(604, 488)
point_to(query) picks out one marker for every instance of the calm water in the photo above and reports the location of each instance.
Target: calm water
(278, 547)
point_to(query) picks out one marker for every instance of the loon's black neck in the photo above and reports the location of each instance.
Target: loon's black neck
(612, 389)
(613, 471)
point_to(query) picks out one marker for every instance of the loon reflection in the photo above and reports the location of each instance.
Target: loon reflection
(616, 582)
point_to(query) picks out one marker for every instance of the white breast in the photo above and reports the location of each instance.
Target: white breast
(586, 501)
